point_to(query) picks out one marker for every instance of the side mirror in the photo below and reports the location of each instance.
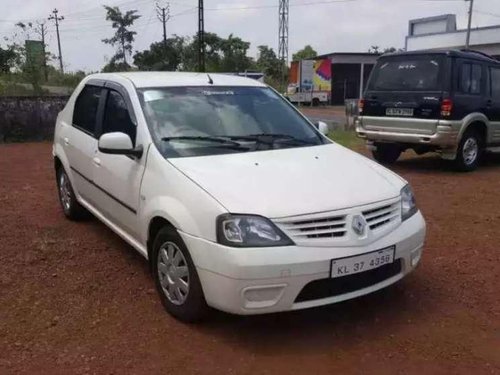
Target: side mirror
(118, 143)
(323, 128)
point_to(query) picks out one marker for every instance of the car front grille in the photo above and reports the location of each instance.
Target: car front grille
(332, 287)
(380, 216)
(334, 226)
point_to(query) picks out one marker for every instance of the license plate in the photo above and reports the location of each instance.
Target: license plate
(399, 111)
(360, 263)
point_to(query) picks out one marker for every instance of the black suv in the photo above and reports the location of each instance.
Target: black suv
(444, 101)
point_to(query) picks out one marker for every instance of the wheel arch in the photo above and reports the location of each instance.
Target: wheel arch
(475, 121)
(155, 224)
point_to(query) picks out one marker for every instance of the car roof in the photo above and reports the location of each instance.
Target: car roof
(176, 79)
(469, 54)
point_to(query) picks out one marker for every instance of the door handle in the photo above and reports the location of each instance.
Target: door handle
(97, 161)
(66, 141)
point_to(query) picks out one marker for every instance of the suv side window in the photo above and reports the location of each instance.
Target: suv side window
(85, 111)
(117, 117)
(470, 78)
(495, 83)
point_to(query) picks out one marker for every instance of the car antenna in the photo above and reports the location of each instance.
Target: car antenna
(210, 81)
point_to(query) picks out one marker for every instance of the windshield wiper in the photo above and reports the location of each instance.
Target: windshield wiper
(221, 141)
(270, 138)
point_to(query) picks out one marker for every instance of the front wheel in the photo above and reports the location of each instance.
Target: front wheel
(176, 279)
(386, 153)
(468, 152)
(71, 208)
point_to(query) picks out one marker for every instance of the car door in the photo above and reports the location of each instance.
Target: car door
(118, 177)
(470, 88)
(80, 140)
(494, 105)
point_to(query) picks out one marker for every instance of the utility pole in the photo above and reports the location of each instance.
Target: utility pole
(201, 37)
(57, 19)
(163, 14)
(283, 37)
(42, 31)
(467, 40)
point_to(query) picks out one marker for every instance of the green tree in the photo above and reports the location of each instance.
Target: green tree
(162, 56)
(234, 55)
(123, 37)
(304, 54)
(269, 64)
(7, 59)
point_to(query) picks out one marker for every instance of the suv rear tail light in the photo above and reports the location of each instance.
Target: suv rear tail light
(361, 104)
(446, 107)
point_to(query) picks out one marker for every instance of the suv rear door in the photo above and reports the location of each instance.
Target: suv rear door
(403, 89)
(469, 88)
(493, 104)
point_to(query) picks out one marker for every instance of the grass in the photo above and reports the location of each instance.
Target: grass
(346, 138)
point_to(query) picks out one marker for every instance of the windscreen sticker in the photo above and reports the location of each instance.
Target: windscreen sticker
(226, 92)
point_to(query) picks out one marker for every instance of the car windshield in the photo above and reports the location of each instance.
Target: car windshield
(194, 121)
(407, 73)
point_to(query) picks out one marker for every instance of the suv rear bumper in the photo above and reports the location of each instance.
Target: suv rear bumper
(445, 135)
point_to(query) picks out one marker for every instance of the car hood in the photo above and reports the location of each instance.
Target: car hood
(292, 181)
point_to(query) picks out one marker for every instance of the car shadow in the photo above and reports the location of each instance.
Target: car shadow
(433, 163)
(314, 329)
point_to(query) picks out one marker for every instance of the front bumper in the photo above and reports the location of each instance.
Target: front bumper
(442, 134)
(265, 280)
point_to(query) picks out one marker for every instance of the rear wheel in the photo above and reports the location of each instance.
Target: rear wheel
(71, 208)
(469, 151)
(176, 278)
(315, 102)
(386, 153)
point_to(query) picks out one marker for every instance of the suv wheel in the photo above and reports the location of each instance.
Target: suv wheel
(176, 278)
(386, 153)
(71, 208)
(469, 151)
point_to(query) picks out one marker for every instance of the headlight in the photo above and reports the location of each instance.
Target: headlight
(408, 205)
(249, 231)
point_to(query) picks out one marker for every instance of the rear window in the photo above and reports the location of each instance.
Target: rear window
(407, 73)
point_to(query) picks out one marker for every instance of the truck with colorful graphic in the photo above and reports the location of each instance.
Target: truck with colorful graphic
(310, 82)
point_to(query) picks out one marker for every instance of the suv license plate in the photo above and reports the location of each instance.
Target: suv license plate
(360, 263)
(399, 111)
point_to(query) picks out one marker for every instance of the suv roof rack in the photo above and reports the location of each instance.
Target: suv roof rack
(478, 53)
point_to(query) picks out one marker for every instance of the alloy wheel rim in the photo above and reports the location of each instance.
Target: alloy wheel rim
(470, 151)
(173, 273)
(64, 191)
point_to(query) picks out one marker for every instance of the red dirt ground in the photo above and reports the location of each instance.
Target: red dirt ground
(74, 298)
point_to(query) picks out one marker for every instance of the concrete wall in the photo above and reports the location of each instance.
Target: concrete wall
(30, 118)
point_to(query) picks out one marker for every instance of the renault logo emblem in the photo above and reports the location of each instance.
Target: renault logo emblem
(358, 224)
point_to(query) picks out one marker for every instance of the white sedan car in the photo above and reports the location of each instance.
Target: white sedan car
(237, 201)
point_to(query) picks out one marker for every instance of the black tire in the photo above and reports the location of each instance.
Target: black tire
(386, 153)
(194, 307)
(315, 102)
(467, 160)
(69, 204)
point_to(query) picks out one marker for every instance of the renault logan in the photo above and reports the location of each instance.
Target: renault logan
(237, 201)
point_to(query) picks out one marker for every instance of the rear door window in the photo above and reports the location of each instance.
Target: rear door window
(85, 111)
(408, 73)
(495, 83)
(117, 117)
(470, 78)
